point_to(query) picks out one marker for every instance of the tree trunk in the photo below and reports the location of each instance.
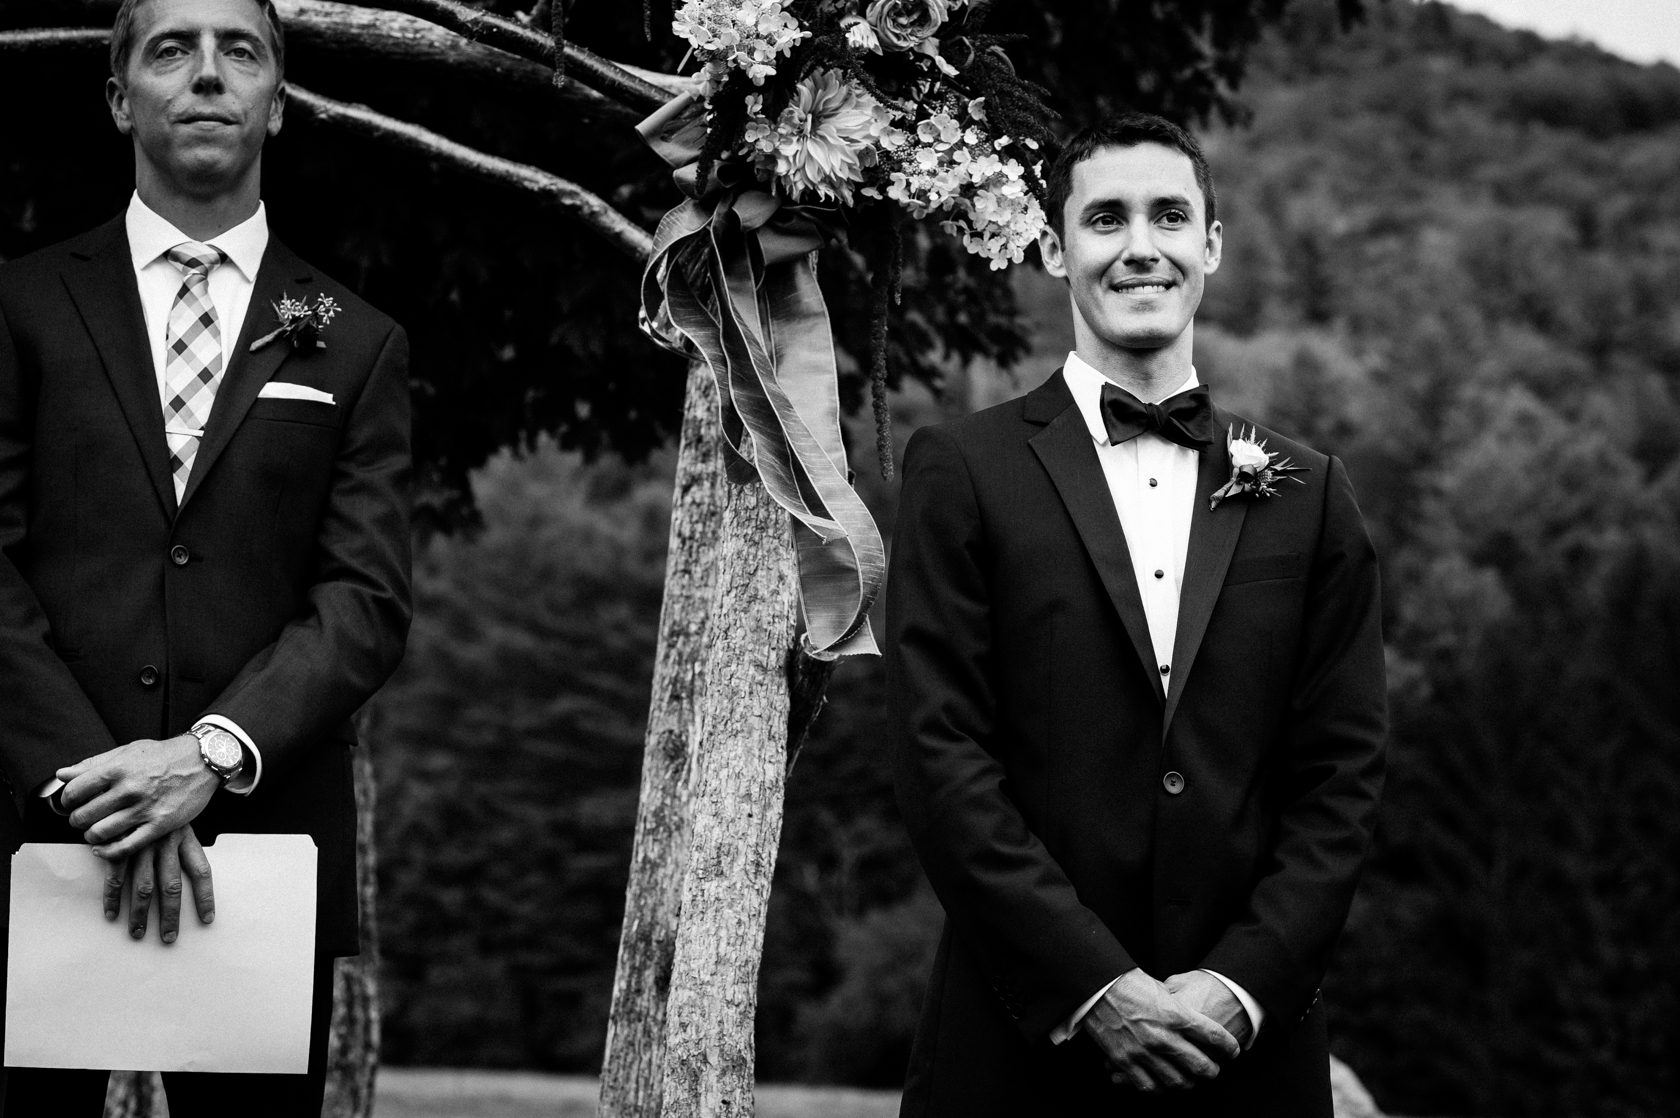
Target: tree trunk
(353, 1047)
(631, 1069)
(736, 812)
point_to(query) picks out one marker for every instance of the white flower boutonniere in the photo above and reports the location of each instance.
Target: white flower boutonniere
(300, 322)
(1254, 469)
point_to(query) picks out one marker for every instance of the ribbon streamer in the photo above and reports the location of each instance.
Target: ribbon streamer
(733, 280)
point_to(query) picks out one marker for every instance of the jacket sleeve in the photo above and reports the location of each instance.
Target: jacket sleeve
(328, 662)
(1332, 758)
(48, 721)
(1045, 953)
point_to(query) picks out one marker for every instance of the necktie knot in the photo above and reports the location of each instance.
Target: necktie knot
(195, 259)
(1186, 419)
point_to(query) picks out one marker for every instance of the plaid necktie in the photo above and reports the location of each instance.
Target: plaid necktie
(192, 367)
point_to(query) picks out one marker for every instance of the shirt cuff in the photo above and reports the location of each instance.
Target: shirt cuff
(48, 791)
(1256, 1015)
(251, 775)
(1071, 1025)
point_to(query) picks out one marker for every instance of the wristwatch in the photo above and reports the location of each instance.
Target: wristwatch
(222, 753)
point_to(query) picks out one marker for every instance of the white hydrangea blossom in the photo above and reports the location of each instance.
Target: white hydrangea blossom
(745, 35)
(951, 167)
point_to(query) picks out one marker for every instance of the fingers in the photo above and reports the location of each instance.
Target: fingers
(1208, 1033)
(69, 773)
(169, 886)
(116, 876)
(1132, 1074)
(107, 815)
(142, 884)
(196, 865)
(132, 843)
(85, 787)
(1178, 1057)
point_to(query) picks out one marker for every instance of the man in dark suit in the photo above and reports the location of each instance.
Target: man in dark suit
(204, 541)
(1139, 713)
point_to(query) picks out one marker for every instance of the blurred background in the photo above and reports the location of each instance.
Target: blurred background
(1452, 257)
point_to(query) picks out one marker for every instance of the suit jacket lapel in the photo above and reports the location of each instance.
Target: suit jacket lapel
(247, 372)
(1213, 538)
(108, 300)
(1069, 456)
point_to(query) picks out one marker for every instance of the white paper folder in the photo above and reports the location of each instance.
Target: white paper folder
(232, 996)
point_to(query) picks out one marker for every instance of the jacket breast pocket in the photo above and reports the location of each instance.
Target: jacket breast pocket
(1264, 568)
(313, 412)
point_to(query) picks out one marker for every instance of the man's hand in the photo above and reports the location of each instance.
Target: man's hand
(164, 868)
(1211, 998)
(1153, 1039)
(134, 795)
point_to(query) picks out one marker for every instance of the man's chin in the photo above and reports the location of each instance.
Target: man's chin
(205, 168)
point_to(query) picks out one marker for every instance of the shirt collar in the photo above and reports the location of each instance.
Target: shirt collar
(1086, 384)
(150, 236)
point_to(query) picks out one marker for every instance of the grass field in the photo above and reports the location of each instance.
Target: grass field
(440, 1093)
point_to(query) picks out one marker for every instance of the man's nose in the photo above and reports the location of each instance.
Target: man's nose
(207, 70)
(1140, 242)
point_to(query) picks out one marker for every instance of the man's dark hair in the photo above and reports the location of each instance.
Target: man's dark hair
(1124, 131)
(122, 35)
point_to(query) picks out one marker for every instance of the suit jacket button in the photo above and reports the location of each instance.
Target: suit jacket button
(1173, 782)
(179, 555)
(148, 676)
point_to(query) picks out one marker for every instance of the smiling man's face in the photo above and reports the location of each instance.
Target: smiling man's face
(201, 91)
(1135, 245)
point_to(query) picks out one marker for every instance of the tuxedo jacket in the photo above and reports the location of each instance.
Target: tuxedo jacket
(275, 592)
(1034, 733)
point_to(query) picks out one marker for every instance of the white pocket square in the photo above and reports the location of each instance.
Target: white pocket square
(281, 390)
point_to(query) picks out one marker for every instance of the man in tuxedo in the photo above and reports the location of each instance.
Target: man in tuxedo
(204, 541)
(1138, 731)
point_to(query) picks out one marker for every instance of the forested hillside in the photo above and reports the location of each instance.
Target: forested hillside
(1452, 258)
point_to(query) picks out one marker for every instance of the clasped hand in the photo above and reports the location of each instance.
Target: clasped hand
(135, 805)
(1167, 1035)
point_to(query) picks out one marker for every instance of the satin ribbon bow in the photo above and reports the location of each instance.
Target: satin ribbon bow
(1186, 419)
(733, 281)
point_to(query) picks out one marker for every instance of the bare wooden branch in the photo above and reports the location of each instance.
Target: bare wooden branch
(54, 38)
(588, 207)
(486, 27)
(352, 31)
(639, 91)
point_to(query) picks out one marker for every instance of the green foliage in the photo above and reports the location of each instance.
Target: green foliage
(1466, 288)
(507, 754)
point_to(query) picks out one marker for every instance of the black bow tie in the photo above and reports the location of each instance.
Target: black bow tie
(1186, 419)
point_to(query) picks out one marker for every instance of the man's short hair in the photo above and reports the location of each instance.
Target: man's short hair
(122, 35)
(1127, 130)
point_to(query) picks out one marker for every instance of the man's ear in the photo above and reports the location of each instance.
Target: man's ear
(117, 98)
(1050, 251)
(1214, 249)
(277, 109)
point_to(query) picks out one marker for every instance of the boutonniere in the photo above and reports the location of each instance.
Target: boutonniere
(1254, 469)
(300, 322)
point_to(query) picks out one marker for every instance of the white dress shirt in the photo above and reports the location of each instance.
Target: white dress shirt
(1153, 483)
(231, 282)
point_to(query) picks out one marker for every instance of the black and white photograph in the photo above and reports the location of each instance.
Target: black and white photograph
(840, 558)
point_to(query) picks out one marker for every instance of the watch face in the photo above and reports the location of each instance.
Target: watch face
(222, 750)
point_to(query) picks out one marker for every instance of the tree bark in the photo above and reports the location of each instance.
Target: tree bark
(741, 765)
(353, 1047)
(632, 1067)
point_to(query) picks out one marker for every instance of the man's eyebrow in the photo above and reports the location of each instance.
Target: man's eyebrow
(223, 34)
(1180, 200)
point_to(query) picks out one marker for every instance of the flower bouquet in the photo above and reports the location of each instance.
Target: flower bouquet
(814, 123)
